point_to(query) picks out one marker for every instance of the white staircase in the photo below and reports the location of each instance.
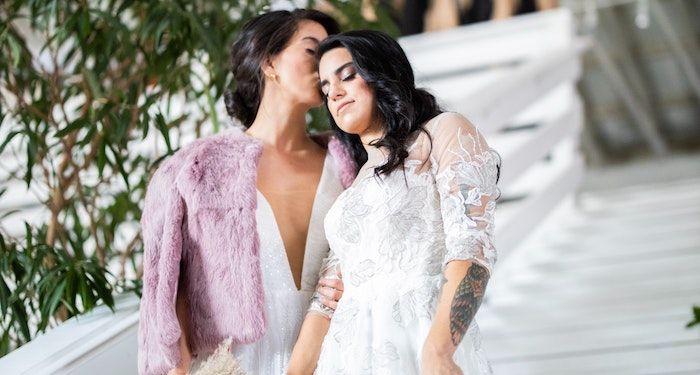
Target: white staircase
(605, 285)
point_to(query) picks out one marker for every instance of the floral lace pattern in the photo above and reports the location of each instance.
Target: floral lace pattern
(392, 237)
(329, 269)
(467, 185)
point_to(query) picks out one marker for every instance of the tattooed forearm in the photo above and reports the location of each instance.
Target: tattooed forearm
(466, 301)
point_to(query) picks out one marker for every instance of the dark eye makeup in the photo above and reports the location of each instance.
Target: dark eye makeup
(345, 73)
(348, 75)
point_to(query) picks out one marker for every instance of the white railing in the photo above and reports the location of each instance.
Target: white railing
(503, 75)
(514, 79)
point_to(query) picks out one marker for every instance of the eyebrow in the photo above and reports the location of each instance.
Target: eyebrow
(337, 71)
(311, 39)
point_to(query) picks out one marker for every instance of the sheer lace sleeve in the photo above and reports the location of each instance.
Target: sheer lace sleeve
(466, 171)
(330, 269)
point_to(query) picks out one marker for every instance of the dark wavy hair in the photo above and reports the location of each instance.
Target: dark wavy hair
(403, 108)
(263, 37)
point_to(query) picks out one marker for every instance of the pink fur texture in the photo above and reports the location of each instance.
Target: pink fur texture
(200, 240)
(347, 169)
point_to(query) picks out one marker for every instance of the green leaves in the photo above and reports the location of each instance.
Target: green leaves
(73, 126)
(696, 317)
(93, 83)
(38, 278)
(163, 129)
(15, 48)
(7, 140)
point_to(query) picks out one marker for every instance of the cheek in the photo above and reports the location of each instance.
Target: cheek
(298, 77)
(303, 64)
(366, 96)
(291, 67)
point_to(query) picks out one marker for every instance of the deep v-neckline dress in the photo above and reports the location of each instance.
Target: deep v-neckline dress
(285, 306)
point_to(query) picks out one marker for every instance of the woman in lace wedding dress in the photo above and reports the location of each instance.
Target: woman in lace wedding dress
(413, 235)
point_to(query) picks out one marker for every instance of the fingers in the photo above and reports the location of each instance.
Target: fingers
(332, 283)
(330, 293)
(331, 290)
(329, 303)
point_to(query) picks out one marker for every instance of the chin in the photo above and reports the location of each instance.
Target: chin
(353, 123)
(349, 128)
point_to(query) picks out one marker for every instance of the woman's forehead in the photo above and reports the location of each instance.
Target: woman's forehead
(334, 59)
(336, 54)
(308, 30)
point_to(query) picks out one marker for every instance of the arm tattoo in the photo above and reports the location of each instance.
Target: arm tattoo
(466, 301)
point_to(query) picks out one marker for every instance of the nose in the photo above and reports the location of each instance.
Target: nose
(335, 91)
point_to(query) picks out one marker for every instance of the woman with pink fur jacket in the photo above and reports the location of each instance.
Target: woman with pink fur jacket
(233, 223)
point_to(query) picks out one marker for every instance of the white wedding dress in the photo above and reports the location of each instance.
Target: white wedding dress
(285, 306)
(392, 236)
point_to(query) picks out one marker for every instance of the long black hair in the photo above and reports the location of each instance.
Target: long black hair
(403, 107)
(263, 37)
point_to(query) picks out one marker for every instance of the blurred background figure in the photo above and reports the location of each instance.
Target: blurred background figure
(508, 8)
(425, 15)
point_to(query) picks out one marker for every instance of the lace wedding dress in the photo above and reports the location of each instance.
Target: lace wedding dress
(285, 305)
(392, 237)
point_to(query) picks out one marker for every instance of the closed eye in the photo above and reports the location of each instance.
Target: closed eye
(349, 77)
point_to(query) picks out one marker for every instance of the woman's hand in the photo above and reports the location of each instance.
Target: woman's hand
(186, 360)
(331, 291)
(438, 362)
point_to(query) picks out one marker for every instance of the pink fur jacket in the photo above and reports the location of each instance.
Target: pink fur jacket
(199, 230)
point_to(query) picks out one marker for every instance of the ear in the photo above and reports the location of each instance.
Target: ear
(268, 69)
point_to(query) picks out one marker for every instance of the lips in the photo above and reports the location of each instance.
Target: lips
(343, 105)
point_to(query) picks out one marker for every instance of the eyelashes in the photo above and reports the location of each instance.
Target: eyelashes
(347, 77)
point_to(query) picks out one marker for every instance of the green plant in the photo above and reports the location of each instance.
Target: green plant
(94, 94)
(38, 278)
(696, 317)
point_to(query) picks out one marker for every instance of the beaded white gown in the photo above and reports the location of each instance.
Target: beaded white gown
(285, 306)
(392, 237)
